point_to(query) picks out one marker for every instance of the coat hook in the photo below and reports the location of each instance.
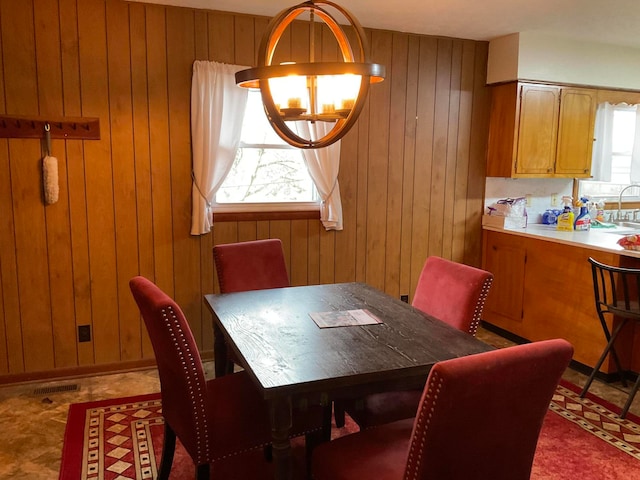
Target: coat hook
(47, 136)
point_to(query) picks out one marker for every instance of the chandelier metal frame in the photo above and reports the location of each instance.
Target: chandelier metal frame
(258, 77)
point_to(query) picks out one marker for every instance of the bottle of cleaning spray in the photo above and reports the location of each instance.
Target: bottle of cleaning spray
(565, 219)
(583, 220)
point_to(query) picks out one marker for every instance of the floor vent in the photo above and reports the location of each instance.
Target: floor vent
(73, 387)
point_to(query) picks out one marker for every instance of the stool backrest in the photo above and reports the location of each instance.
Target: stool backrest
(616, 289)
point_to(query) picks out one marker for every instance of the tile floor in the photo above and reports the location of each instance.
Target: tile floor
(33, 424)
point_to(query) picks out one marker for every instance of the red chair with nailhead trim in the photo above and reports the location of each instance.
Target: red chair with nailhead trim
(452, 292)
(214, 419)
(479, 418)
(252, 265)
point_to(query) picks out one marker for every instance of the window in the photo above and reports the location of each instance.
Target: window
(613, 153)
(267, 174)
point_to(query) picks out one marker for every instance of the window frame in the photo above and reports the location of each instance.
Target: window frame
(613, 198)
(307, 209)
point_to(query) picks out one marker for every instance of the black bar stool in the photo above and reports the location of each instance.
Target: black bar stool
(617, 292)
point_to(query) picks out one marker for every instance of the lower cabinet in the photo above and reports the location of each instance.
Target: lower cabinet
(544, 290)
(506, 260)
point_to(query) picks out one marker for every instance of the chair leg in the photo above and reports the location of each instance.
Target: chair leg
(202, 472)
(168, 449)
(326, 423)
(311, 441)
(600, 361)
(632, 394)
(267, 451)
(338, 413)
(230, 367)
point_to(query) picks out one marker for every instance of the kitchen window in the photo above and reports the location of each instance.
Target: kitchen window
(616, 153)
(267, 174)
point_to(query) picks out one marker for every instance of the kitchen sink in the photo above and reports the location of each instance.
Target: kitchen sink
(624, 228)
(628, 224)
(622, 231)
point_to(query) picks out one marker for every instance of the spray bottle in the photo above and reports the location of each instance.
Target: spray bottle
(583, 220)
(565, 219)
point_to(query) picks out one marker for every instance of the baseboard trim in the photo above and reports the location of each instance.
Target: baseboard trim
(575, 365)
(85, 371)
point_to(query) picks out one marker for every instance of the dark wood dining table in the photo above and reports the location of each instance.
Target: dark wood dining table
(294, 362)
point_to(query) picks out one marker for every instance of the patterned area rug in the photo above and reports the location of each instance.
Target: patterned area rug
(598, 418)
(121, 439)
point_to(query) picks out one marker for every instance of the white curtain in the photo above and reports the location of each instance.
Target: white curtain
(217, 111)
(635, 153)
(323, 165)
(601, 158)
(602, 147)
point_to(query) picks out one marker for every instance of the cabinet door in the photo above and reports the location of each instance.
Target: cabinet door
(537, 130)
(501, 146)
(575, 132)
(505, 257)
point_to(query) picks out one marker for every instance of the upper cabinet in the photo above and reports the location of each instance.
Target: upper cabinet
(540, 131)
(575, 132)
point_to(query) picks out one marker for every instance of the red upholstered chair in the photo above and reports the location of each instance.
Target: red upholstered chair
(452, 292)
(479, 418)
(215, 418)
(252, 265)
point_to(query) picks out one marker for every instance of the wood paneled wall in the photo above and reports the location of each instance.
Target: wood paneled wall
(412, 174)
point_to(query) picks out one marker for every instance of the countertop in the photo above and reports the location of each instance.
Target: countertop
(603, 239)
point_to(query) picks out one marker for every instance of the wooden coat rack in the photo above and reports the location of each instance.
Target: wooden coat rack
(80, 128)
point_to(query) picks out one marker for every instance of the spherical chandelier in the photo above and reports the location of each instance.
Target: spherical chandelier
(312, 92)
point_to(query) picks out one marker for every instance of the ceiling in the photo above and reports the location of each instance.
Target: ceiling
(614, 22)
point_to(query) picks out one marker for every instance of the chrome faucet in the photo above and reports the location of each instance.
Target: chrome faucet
(619, 216)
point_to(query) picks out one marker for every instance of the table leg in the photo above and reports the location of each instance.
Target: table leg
(281, 422)
(219, 352)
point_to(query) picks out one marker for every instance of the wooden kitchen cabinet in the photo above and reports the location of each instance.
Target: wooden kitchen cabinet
(543, 290)
(537, 130)
(540, 131)
(575, 132)
(506, 260)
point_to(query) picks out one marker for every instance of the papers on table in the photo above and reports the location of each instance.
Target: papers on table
(344, 318)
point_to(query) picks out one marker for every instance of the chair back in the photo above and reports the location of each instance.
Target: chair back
(453, 292)
(182, 379)
(616, 290)
(480, 415)
(253, 265)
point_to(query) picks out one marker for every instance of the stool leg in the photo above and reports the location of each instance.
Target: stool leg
(630, 399)
(614, 354)
(602, 357)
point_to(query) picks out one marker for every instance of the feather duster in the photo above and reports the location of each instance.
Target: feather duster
(50, 179)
